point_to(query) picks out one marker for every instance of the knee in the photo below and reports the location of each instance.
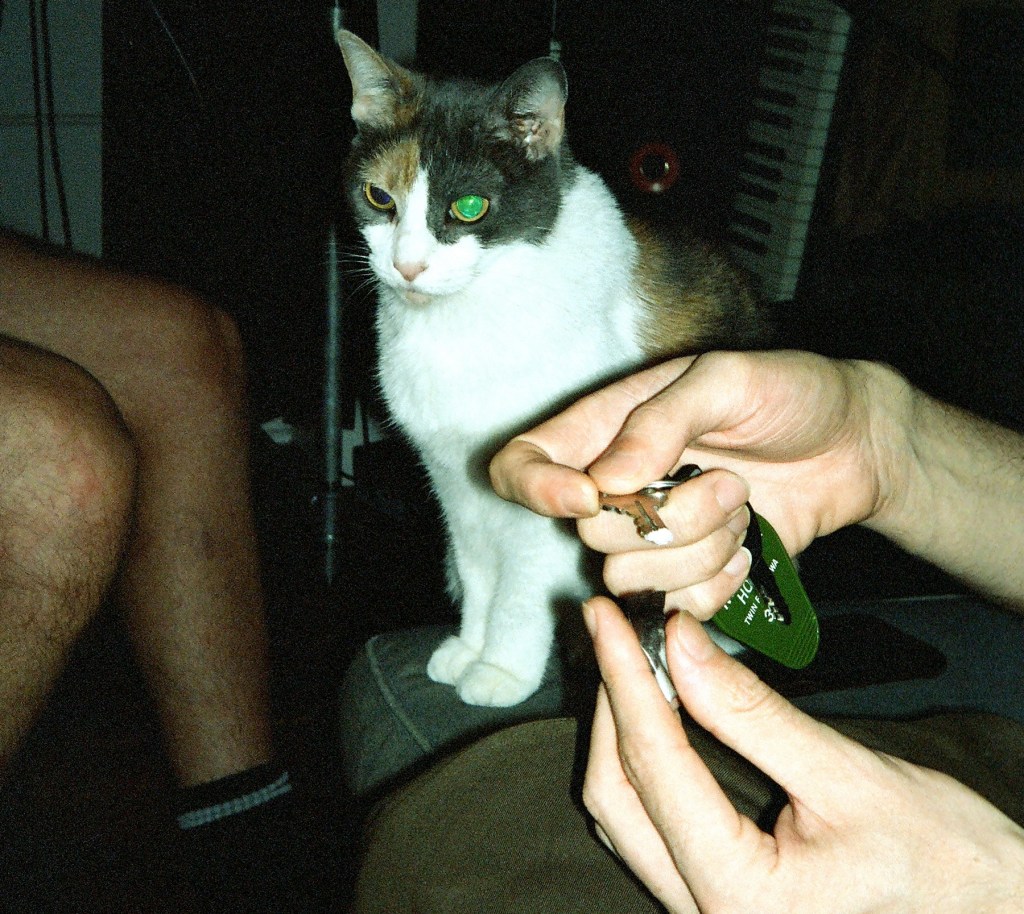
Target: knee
(65, 448)
(192, 355)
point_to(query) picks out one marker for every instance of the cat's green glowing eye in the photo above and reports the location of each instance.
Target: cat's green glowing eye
(470, 208)
(379, 199)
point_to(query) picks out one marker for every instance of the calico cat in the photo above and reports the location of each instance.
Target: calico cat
(508, 283)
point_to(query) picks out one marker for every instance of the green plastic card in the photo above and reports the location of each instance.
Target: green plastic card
(771, 612)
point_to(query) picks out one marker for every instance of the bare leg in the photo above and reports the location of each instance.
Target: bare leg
(66, 484)
(190, 586)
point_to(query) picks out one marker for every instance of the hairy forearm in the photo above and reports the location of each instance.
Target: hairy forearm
(953, 486)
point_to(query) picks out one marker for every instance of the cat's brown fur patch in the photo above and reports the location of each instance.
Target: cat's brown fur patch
(408, 97)
(394, 168)
(693, 299)
(384, 95)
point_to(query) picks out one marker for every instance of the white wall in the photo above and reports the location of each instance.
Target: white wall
(77, 46)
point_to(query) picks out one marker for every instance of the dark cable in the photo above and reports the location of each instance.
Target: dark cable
(37, 93)
(177, 50)
(51, 120)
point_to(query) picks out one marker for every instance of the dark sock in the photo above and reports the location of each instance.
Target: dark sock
(233, 795)
(251, 843)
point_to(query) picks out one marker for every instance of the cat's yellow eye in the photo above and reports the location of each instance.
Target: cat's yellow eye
(470, 208)
(379, 199)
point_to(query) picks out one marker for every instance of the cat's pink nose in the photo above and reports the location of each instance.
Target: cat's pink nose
(410, 271)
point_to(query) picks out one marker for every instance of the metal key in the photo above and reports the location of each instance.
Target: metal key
(643, 506)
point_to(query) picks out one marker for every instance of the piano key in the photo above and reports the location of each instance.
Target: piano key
(782, 195)
(772, 193)
(811, 82)
(750, 212)
(787, 41)
(797, 136)
(795, 99)
(776, 272)
(800, 44)
(821, 60)
(777, 281)
(795, 170)
(786, 193)
(789, 118)
(757, 226)
(773, 152)
(784, 250)
(745, 187)
(819, 38)
(820, 12)
(783, 98)
(775, 284)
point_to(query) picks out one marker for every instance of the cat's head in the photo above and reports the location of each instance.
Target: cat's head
(442, 175)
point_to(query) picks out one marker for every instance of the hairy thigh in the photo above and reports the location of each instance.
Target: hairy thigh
(145, 341)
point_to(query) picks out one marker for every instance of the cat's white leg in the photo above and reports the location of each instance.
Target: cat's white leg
(540, 565)
(454, 653)
(473, 562)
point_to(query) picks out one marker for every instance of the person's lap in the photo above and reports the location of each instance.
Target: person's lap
(498, 827)
(494, 822)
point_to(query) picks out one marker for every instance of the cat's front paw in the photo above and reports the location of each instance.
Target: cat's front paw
(493, 686)
(450, 660)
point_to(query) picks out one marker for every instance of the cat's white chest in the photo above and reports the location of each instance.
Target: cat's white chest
(496, 357)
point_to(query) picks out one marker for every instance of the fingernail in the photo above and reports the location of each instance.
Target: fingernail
(739, 522)
(731, 492)
(740, 563)
(693, 639)
(590, 618)
(581, 502)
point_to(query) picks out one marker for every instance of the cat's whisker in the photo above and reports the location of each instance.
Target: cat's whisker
(354, 263)
(363, 283)
(361, 259)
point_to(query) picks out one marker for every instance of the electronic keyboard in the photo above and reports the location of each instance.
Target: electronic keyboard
(785, 142)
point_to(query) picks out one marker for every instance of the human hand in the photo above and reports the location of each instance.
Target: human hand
(862, 831)
(791, 431)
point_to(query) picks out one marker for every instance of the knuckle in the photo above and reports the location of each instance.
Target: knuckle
(598, 788)
(713, 553)
(694, 601)
(501, 469)
(496, 473)
(639, 754)
(684, 511)
(747, 694)
(593, 795)
(704, 599)
(653, 415)
(614, 577)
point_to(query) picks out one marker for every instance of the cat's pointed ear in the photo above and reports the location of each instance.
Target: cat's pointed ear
(529, 107)
(383, 93)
